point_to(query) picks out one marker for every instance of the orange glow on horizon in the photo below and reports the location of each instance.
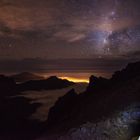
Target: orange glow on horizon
(75, 80)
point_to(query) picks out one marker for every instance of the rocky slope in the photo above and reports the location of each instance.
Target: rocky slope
(108, 110)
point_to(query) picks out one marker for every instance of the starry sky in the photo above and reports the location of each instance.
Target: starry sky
(84, 35)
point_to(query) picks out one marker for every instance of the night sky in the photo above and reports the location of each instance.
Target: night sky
(77, 35)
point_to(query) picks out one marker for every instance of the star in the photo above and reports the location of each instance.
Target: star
(112, 13)
(105, 41)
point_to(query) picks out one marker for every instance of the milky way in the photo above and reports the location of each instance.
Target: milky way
(69, 29)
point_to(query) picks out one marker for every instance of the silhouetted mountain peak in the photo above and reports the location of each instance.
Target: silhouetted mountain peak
(97, 82)
(46, 84)
(53, 78)
(131, 71)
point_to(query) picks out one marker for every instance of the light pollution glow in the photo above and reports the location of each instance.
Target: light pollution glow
(75, 80)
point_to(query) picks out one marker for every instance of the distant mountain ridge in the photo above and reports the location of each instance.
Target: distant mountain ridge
(26, 76)
(50, 83)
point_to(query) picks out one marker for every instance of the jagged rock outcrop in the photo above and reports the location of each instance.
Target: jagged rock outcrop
(96, 83)
(107, 110)
(120, 126)
(131, 71)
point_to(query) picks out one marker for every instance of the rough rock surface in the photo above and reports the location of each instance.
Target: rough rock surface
(118, 127)
(107, 110)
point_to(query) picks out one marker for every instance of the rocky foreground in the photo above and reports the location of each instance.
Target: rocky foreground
(108, 110)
